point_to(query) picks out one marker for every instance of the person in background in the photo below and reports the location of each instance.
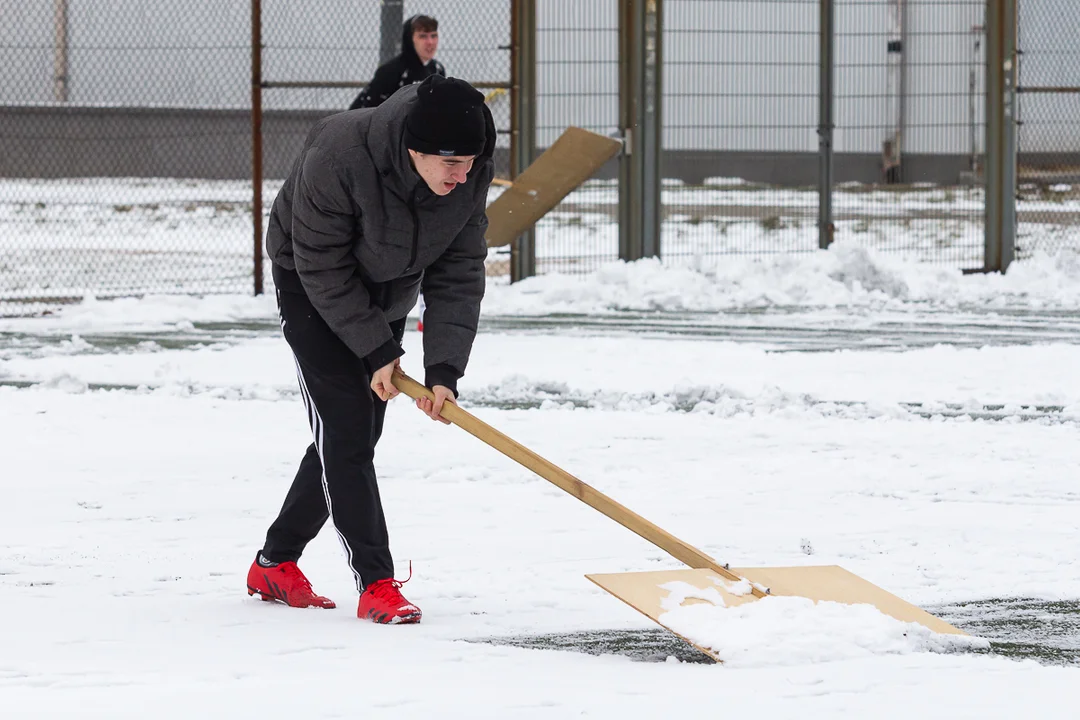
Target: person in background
(415, 63)
(380, 203)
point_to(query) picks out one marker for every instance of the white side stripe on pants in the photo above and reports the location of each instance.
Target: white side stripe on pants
(317, 432)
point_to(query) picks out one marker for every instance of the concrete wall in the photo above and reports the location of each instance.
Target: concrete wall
(50, 142)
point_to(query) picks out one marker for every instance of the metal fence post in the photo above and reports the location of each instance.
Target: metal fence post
(256, 141)
(60, 51)
(640, 100)
(391, 22)
(522, 121)
(1009, 125)
(896, 52)
(650, 135)
(628, 233)
(826, 36)
(1000, 203)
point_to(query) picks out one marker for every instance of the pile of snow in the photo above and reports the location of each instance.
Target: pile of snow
(797, 631)
(164, 313)
(520, 391)
(846, 275)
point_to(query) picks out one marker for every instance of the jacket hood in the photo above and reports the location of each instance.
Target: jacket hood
(408, 50)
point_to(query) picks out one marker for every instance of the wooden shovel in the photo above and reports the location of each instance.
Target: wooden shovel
(642, 590)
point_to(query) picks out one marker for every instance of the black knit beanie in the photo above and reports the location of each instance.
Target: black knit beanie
(447, 118)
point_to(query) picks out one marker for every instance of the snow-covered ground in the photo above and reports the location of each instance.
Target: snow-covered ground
(914, 425)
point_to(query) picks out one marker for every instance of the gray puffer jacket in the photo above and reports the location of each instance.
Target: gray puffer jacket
(358, 230)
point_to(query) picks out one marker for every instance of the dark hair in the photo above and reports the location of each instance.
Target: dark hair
(425, 23)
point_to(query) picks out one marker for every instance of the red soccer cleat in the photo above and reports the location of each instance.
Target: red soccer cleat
(382, 602)
(284, 582)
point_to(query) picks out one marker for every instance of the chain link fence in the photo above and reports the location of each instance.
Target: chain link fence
(1048, 137)
(315, 63)
(316, 57)
(910, 97)
(126, 135)
(739, 158)
(100, 98)
(126, 138)
(577, 76)
(741, 86)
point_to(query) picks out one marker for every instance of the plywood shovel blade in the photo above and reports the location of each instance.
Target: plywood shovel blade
(832, 582)
(570, 161)
(645, 592)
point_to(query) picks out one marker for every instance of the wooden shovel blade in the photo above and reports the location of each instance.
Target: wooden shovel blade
(571, 160)
(643, 591)
(832, 582)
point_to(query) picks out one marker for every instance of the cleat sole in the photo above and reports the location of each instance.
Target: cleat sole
(262, 596)
(270, 598)
(401, 620)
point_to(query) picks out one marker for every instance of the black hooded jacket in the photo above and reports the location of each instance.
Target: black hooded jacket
(404, 69)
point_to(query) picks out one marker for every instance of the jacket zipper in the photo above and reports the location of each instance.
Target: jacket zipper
(415, 233)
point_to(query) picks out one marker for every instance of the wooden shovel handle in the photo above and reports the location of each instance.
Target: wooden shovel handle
(684, 552)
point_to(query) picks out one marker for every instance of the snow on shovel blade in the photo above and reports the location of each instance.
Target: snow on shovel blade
(662, 595)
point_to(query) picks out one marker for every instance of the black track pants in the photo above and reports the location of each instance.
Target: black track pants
(336, 478)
